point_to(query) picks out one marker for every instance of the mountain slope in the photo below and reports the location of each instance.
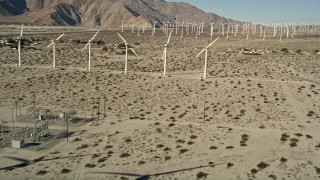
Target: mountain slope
(106, 13)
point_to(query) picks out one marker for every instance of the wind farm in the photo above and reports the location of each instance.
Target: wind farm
(160, 99)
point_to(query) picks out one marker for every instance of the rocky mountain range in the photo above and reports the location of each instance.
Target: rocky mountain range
(105, 13)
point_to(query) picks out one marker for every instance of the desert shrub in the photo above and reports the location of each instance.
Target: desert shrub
(105, 48)
(183, 150)
(141, 162)
(272, 176)
(83, 146)
(229, 165)
(284, 137)
(190, 143)
(201, 175)
(90, 165)
(293, 144)
(77, 41)
(309, 136)
(283, 160)
(95, 155)
(193, 137)
(100, 42)
(108, 147)
(102, 159)
(171, 124)
(262, 165)
(124, 155)
(42, 172)
(65, 171)
(213, 147)
(160, 146)
(180, 141)
(254, 171)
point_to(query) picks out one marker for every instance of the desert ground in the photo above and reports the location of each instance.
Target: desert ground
(254, 117)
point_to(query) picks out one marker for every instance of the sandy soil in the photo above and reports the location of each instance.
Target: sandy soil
(254, 117)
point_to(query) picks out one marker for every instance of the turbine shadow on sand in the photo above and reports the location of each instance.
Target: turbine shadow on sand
(147, 176)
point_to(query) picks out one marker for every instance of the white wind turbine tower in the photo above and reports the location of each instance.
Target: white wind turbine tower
(206, 57)
(222, 29)
(197, 30)
(126, 57)
(211, 24)
(164, 56)
(236, 30)
(228, 28)
(122, 21)
(177, 27)
(154, 28)
(53, 44)
(89, 44)
(280, 33)
(139, 24)
(132, 26)
(19, 46)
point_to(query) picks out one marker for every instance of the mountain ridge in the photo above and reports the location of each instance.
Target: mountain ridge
(105, 13)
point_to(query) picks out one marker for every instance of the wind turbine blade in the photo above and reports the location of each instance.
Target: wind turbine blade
(213, 42)
(133, 52)
(50, 44)
(95, 35)
(200, 53)
(60, 37)
(122, 38)
(169, 37)
(85, 47)
(21, 31)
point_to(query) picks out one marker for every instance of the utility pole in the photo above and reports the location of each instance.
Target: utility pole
(104, 106)
(98, 108)
(92, 107)
(12, 122)
(34, 102)
(16, 109)
(67, 121)
(204, 109)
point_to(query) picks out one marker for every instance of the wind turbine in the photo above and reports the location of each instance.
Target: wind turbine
(206, 57)
(211, 24)
(154, 28)
(228, 28)
(19, 45)
(53, 44)
(122, 21)
(89, 44)
(164, 56)
(126, 58)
